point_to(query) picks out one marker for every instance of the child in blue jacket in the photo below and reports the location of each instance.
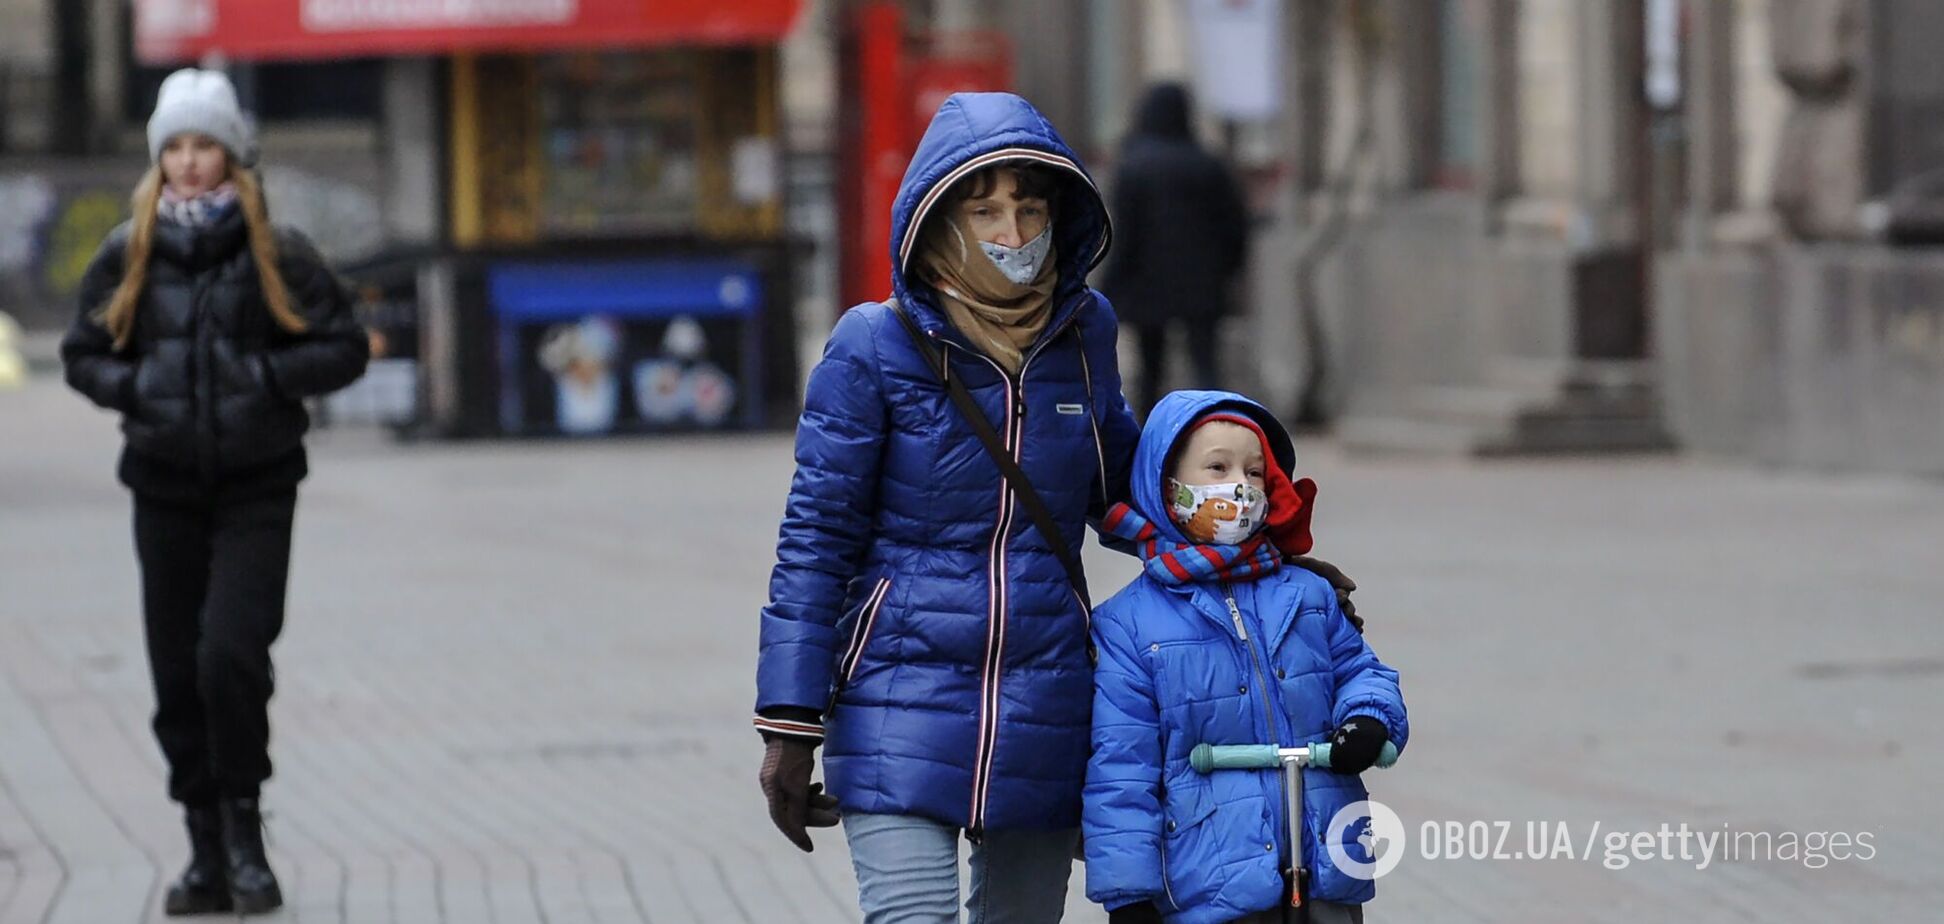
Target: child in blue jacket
(1220, 642)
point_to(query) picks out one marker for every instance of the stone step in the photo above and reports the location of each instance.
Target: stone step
(1551, 374)
(1558, 434)
(1480, 407)
(1401, 435)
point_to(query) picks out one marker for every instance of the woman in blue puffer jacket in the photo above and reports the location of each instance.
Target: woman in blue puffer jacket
(920, 626)
(1219, 642)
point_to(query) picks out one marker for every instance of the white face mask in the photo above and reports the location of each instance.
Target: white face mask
(1217, 514)
(1020, 264)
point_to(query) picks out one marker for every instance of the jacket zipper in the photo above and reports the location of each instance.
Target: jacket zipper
(205, 386)
(997, 591)
(1255, 660)
(866, 618)
(1167, 889)
(997, 588)
(1093, 420)
(1269, 712)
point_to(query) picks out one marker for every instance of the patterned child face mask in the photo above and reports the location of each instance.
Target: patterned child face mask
(1217, 514)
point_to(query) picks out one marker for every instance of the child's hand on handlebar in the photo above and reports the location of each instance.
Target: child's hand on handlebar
(1356, 744)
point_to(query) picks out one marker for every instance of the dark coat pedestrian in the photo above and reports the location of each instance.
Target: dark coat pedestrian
(1181, 235)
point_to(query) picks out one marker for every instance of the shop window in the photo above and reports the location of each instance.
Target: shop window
(675, 142)
(618, 142)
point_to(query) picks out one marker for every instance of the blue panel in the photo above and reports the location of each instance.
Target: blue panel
(643, 289)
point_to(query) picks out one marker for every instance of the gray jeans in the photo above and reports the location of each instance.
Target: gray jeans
(907, 872)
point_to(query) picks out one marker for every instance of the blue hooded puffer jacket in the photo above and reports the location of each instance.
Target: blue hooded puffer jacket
(914, 603)
(1175, 673)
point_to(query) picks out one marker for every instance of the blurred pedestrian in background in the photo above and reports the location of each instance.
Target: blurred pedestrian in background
(206, 329)
(1181, 234)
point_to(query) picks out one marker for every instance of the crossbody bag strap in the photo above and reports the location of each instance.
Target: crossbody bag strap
(995, 447)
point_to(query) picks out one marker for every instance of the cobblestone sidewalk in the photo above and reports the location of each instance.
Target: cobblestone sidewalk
(515, 680)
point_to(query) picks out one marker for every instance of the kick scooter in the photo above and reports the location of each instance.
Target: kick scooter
(1208, 758)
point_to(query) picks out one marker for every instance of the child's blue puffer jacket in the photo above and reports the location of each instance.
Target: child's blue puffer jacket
(913, 596)
(1175, 673)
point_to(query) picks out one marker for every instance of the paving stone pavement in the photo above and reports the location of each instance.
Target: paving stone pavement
(515, 679)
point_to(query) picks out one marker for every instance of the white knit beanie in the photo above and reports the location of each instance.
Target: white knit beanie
(203, 102)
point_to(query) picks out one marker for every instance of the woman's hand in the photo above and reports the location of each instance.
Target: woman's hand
(1338, 580)
(795, 803)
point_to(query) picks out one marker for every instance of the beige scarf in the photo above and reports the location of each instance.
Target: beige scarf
(998, 315)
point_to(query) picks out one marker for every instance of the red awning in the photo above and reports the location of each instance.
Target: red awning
(175, 31)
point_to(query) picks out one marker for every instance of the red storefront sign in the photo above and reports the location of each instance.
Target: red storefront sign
(893, 84)
(954, 62)
(175, 31)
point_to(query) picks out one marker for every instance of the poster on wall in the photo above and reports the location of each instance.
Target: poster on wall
(1238, 57)
(627, 348)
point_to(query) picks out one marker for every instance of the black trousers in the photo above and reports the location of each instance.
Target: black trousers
(213, 578)
(1202, 352)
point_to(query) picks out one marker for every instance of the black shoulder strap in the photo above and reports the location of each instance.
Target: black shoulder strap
(995, 447)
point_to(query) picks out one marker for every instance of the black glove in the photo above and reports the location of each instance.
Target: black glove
(795, 803)
(1137, 913)
(1338, 580)
(1356, 743)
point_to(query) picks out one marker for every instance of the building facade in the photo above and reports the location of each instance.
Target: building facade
(1566, 225)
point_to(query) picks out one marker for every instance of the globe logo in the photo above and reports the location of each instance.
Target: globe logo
(1365, 839)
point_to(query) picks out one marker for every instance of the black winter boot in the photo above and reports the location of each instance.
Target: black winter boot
(252, 886)
(202, 888)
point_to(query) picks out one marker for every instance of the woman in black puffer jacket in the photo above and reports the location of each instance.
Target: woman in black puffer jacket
(206, 328)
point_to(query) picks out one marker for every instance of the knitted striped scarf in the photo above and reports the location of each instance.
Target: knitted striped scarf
(1173, 562)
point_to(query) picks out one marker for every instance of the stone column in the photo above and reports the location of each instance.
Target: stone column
(1819, 49)
(1305, 89)
(1050, 60)
(1498, 109)
(1607, 134)
(106, 71)
(1709, 98)
(414, 202)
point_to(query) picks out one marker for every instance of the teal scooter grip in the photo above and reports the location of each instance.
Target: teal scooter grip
(1206, 758)
(1320, 755)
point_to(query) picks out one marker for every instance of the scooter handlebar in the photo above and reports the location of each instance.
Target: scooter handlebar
(1207, 758)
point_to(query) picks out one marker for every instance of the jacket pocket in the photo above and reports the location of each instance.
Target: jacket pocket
(1186, 850)
(861, 631)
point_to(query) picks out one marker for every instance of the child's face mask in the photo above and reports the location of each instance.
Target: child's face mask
(1217, 514)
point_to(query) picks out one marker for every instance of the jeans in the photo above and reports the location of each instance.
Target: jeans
(213, 579)
(907, 871)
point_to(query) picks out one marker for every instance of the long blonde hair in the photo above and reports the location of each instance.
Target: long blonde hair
(118, 316)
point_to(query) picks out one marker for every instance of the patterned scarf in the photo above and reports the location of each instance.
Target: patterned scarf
(197, 210)
(1185, 562)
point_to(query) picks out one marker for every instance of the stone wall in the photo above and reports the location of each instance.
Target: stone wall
(1819, 356)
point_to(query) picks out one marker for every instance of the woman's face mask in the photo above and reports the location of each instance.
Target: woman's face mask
(1020, 264)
